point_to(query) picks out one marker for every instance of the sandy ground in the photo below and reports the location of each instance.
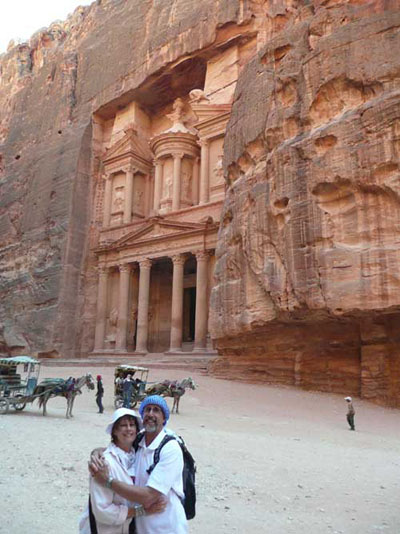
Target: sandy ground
(270, 460)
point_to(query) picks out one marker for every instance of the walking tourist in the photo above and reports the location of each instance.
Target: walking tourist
(350, 412)
(99, 394)
(164, 480)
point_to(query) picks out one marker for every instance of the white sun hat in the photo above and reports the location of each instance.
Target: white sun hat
(121, 412)
(347, 398)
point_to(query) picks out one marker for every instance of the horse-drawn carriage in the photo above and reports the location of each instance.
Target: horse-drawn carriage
(18, 381)
(19, 385)
(139, 376)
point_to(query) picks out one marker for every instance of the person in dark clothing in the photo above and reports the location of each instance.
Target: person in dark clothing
(350, 412)
(127, 388)
(99, 394)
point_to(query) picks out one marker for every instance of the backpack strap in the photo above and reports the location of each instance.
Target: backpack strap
(138, 439)
(156, 457)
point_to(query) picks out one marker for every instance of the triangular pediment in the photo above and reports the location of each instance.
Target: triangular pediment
(158, 228)
(129, 145)
(205, 111)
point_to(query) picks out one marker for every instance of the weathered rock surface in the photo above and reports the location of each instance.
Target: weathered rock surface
(49, 89)
(307, 280)
(308, 274)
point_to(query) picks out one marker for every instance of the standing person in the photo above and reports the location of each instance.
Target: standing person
(165, 479)
(350, 412)
(99, 394)
(127, 388)
(112, 514)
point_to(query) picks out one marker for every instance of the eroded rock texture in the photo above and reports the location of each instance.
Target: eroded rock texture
(49, 89)
(307, 279)
(308, 276)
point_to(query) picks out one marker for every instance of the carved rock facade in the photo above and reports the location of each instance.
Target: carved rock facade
(135, 217)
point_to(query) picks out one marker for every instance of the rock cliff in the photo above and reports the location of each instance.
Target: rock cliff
(307, 278)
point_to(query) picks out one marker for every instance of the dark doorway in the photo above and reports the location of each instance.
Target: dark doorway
(189, 313)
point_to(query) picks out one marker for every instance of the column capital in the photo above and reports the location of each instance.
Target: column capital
(202, 255)
(177, 155)
(145, 264)
(157, 161)
(179, 259)
(129, 168)
(107, 176)
(102, 269)
(125, 267)
(204, 142)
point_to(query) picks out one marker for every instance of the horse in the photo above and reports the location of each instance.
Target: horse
(68, 389)
(173, 389)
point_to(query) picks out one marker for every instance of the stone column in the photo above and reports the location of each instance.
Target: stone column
(107, 201)
(123, 301)
(200, 337)
(177, 303)
(204, 177)
(195, 182)
(157, 184)
(101, 308)
(176, 184)
(143, 306)
(128, 195)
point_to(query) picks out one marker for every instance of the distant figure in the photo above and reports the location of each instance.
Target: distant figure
(127, 389)
(99, 394)
(350, 412)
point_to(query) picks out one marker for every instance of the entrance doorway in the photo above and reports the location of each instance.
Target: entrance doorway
(189, 314)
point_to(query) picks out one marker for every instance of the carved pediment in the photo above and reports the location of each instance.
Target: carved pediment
(157, 229)
(130, 147)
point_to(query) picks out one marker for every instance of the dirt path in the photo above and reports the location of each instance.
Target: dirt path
(270, 460)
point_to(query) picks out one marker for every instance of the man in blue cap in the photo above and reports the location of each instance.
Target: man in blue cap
(165, 480)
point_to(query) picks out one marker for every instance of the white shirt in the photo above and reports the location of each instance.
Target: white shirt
(166, 478)
(109, 509)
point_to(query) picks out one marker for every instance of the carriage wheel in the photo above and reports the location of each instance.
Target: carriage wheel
(19, 406)
(4, 406)
(118, 402)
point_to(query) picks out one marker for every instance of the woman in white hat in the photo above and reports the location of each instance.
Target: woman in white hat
(108, 513)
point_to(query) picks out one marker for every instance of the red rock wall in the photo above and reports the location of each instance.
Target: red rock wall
(49, 89)
(308, 274)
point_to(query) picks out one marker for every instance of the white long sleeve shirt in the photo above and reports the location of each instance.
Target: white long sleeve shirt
(109, 509)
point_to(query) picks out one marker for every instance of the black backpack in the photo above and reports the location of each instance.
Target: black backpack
(188, 473)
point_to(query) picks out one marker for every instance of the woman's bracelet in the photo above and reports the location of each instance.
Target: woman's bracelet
(139, 510)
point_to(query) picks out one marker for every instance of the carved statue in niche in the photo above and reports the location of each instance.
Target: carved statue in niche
(119, 199)
(186, 185)
(137, 201)
(219, 169)
(112, 326)
(167, 191)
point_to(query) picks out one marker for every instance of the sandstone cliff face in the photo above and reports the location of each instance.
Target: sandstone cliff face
(307, 275)
(49, 89)
(307, 281)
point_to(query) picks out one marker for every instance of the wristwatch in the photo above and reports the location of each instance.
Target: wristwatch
(139, 510)
(109, 482)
